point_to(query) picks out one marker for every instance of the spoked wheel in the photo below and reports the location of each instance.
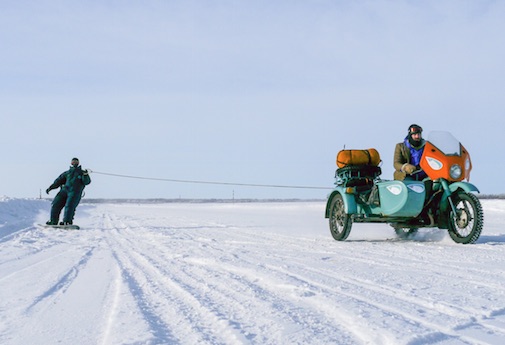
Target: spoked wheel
(466, 225)
(340, 222)
(404, 232)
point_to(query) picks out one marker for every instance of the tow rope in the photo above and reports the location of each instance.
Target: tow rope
(207, 182)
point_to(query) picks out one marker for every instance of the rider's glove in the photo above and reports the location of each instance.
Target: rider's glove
(47, 190)
(408, 168)
(85, 172)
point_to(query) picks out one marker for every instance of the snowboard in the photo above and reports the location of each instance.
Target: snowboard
(65, 227)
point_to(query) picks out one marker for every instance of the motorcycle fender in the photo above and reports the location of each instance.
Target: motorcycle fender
(349, 203)
(444, 203)
(466, 186)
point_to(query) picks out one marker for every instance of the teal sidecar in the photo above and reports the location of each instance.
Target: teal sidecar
(360, 196)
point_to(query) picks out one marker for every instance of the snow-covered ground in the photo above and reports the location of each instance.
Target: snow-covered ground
(242, 273)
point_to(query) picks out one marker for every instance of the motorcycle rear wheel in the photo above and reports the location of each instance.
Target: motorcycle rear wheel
(340, 222)
(466, 225)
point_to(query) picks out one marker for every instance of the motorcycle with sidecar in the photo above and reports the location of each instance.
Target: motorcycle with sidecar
(442, 200)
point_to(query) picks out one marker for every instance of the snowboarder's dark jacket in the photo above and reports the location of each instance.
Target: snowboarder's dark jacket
(73, 180)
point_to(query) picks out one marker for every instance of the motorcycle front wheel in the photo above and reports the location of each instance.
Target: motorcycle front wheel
(340, 222)
(466, 225)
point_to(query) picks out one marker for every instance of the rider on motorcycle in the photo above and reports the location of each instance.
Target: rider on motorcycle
(408, 155)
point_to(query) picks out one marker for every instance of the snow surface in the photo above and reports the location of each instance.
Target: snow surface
(242, 273)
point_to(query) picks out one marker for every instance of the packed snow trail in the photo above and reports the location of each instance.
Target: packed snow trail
(254, 273)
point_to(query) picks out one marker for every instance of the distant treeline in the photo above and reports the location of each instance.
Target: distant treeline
(227, 201)
(491, 196)
(196, 201)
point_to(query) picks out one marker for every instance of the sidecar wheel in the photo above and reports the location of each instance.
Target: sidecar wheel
(405, 232)
(340, 222)
(466, 225)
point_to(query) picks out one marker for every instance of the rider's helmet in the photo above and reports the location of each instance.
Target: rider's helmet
(413, 129)
(418, 141)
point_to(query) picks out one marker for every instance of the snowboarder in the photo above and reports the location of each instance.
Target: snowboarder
(72, 183)
(408, 155)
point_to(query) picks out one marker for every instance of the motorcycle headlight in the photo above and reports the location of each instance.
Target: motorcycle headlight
(455, 171)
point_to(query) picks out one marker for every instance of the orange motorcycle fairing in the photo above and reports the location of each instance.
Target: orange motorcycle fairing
(437, 164)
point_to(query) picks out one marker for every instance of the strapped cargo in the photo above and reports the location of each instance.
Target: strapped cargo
(358, 168)
(358, 157)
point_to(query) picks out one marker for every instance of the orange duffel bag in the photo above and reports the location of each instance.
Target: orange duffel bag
(358, 157)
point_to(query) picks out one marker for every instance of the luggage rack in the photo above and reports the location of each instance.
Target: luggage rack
(357, 175)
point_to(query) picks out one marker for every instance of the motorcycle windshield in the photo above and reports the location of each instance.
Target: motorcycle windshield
(445, 142)
(445, 157)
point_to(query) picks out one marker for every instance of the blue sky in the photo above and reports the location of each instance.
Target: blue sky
(263, 92)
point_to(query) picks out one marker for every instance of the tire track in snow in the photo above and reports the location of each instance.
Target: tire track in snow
(63, 283)
(449, 311)
(113, 307)
(274, 303)
(147, 281)
(269, 294)
(474, 277)
(390, 306)
(238, 257)
(230, 304)
(133, 284)
(282, 287)
(137, 287)
(33, 306)
(459, 316)
(212, 300)
(29, 261)
(383, 257)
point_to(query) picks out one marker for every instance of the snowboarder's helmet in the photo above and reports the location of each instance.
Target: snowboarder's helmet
(414, 129)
